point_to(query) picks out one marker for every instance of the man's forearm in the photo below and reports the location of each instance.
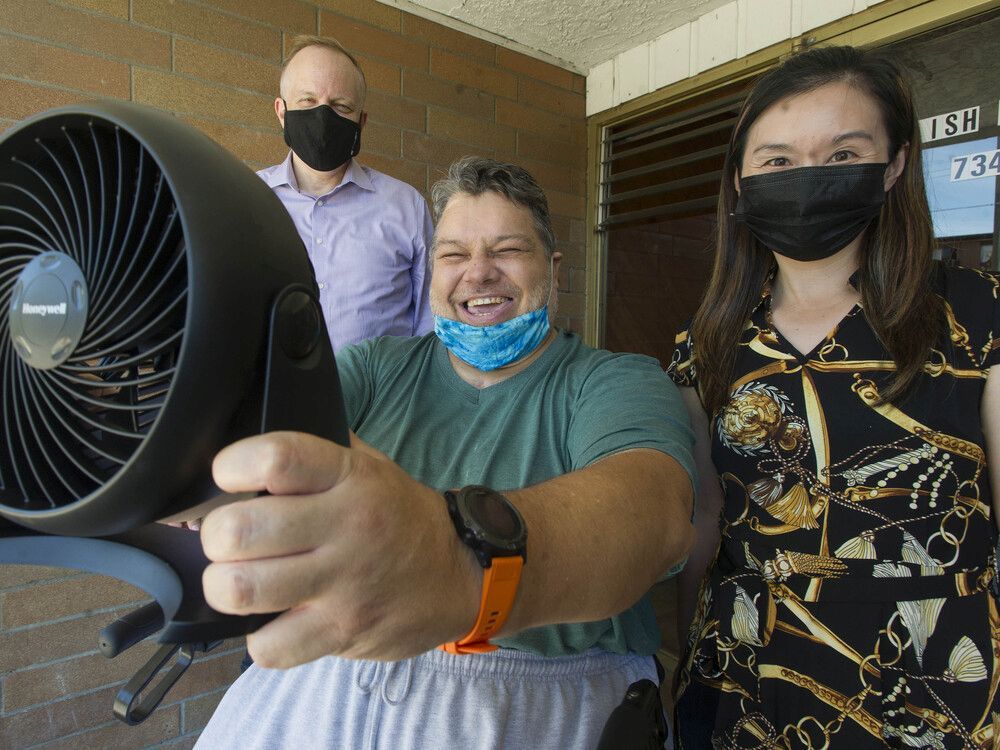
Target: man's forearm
(598, 538)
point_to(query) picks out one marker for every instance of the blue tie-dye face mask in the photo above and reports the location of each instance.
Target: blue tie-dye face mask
(491, 347)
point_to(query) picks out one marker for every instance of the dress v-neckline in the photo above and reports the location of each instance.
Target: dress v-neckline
(790, 348)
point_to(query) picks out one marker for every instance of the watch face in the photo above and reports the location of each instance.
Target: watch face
(494, 515)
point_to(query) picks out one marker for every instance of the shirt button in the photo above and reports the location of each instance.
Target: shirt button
(322, 285)
(319, 240)
(321, 201)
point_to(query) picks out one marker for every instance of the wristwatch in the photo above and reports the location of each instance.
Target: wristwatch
(490, 525)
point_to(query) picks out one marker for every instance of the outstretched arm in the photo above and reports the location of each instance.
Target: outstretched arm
(365, 563)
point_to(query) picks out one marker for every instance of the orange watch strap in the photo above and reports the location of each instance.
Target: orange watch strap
(499, 588)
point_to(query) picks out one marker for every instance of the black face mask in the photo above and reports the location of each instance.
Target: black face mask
(320, 137)
(810, 213)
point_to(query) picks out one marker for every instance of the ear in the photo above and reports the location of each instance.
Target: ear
(556, 260)
(736, 181)
(362, 120)
(279, 110)
(896, 166)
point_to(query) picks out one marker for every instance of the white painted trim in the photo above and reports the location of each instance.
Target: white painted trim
(732, 31)
(489, 36)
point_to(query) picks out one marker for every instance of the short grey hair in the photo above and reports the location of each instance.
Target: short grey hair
(475, 175)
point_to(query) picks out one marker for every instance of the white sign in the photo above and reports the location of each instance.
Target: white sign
(950, 124)
(974, 166)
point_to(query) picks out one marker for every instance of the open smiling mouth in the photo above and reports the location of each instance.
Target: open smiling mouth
(485, 305)
(486, 310)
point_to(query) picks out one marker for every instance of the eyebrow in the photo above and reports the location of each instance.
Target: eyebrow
(862, 134)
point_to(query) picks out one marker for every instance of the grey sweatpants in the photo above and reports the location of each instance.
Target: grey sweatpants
(506, 700)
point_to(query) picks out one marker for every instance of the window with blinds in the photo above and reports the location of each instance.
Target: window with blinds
(667, 164)
(660, 177)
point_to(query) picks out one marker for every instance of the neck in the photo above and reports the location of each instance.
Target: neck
(816, 282)
(316, 183)
(479, 379)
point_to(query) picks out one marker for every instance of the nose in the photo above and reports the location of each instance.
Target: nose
(481, 269)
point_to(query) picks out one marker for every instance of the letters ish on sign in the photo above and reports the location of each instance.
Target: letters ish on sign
(950, 124)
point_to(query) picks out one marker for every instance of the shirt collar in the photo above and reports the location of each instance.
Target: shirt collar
(355, 173)
(285, 175)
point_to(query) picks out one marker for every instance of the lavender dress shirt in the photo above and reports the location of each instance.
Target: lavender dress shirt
(368, 240)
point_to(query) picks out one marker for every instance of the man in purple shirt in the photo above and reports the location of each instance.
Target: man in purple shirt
(366, 233)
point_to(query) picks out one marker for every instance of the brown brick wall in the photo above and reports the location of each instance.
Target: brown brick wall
(434, 94)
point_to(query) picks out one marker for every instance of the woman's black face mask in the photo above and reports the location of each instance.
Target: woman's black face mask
(320, 137)
(810, 213)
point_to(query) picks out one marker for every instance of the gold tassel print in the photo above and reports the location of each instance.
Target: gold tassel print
(792, 508)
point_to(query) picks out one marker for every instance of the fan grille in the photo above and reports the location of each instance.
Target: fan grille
(90, 190)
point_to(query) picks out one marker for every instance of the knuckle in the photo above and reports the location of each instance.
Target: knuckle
(238, 589)
(369, 520)
(227, 588)
(232, 534)
(354, 623)
(277, 457)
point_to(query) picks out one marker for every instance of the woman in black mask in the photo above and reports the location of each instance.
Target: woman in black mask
(845, 392)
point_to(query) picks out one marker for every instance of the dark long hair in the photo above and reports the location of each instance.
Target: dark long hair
(895, 264)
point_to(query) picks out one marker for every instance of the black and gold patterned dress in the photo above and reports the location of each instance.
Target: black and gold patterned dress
(850, 604)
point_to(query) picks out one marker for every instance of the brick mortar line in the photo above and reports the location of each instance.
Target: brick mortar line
(56, 87)
(165, 743)
(232, 14)
(191, 77)
(80, 50)
(32, 584)
(109, 609)
(211, 45)
(202, 658)
(181, 35)
(81, 732)
(91, 691)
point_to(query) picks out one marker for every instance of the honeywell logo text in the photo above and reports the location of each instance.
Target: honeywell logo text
(43, 310)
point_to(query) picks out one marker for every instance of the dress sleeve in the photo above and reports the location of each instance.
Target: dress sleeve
(681, 368)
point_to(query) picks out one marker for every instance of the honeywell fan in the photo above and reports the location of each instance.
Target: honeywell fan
(156, 304)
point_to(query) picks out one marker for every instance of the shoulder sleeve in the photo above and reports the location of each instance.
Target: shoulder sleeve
(628, 402)
(355, 371)
(681, 368)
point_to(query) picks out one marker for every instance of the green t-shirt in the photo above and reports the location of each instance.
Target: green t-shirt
(571, 407)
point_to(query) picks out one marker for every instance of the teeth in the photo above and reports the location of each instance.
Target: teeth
(486, 301)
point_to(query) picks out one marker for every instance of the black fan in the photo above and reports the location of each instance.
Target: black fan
(156, 303)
